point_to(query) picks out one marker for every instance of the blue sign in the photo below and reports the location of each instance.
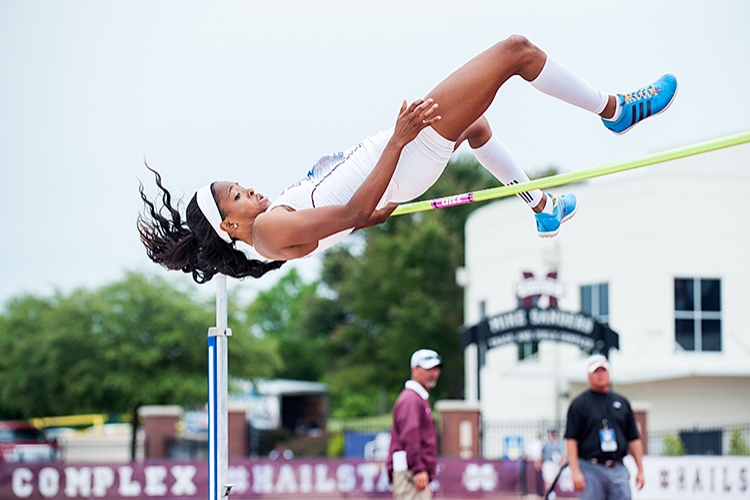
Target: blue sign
(513, 448)
(371, 446)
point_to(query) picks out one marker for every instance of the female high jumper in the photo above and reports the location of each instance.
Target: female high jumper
(363, 185)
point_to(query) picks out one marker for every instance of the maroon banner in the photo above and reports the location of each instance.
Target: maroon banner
(285, 479)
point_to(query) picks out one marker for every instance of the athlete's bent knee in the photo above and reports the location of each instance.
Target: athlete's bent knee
(527, 57)
(477, 134)
(518, 43)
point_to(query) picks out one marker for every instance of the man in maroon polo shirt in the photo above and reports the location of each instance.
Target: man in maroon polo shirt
(412, 456)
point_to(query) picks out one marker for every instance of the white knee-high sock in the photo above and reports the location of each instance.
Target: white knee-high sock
(558, 81)
(495, 157)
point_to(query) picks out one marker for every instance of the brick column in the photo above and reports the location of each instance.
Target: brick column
(159, 424)
(641, 420)
(237, 422)
(459, 429)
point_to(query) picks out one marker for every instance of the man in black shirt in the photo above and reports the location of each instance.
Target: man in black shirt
(600, 430)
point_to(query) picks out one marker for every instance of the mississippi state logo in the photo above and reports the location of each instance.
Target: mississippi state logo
(530, 289)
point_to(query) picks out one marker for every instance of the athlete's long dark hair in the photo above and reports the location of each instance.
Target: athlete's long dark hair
(192, 247)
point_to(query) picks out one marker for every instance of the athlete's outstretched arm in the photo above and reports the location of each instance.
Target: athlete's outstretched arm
(282, 234)
(379, 216)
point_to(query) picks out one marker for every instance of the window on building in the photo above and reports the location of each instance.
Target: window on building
(697, 314)
(595, 301)
(527, 350)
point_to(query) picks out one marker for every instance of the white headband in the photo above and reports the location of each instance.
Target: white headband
(207, 204)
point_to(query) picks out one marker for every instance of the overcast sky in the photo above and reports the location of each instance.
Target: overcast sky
(257, 91)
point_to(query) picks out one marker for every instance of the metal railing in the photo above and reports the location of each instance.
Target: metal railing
(700, 440)
(512, 438)
(502, 439)
(499, 439)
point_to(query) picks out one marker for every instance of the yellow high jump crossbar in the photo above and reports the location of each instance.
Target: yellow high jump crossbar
(570, 177)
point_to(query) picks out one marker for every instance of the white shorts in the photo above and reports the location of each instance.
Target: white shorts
(334, 178)
(421, 163)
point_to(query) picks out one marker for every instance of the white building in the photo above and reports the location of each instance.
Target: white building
(641, 242)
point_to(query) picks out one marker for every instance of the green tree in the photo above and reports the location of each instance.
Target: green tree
(137, 341)
(398, 295)
(277, 314)
(737, 444)
(673, 446)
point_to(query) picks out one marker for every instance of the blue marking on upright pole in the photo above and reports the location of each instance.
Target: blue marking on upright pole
(213, 420)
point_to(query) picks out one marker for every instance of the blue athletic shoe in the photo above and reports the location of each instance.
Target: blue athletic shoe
(642, 103)
(563, 209)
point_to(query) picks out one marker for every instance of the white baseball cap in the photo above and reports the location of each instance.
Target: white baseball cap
(597, 361)
(425, 358)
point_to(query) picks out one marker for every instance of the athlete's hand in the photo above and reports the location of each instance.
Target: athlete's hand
(412, 119)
